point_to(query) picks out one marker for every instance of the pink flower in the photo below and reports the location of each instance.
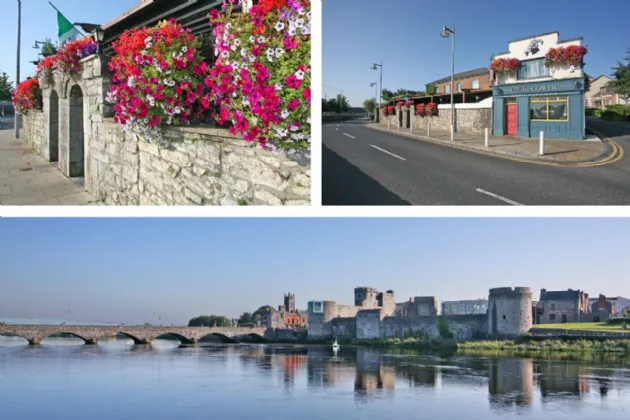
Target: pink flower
(307, 94)
(293, 82)
(293, 103)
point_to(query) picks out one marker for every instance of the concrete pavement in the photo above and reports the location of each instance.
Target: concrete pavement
(362, 166)
(28, 179)
(566, 152)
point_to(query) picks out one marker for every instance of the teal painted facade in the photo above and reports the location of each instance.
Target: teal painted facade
(572, 88)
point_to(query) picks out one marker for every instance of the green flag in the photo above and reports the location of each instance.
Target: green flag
(67, 31)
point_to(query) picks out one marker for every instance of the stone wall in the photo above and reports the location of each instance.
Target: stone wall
(344, 328)
(33, 129)
(463, 327)
(198, 165)
(368, 324)
(467, 120)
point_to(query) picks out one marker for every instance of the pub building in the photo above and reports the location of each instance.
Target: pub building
(538, 97)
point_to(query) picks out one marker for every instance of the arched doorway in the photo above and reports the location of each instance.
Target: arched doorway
(53, 135)
(76, 161)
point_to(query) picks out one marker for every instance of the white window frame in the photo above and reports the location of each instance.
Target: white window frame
(437, 89)
(459, 86)
(475, 84)
(447, 89)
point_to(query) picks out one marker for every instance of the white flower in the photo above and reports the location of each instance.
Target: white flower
(299, 74)
(291, 31)
(299, 23)
(228, 26)
(301, 11)
(285, 114)
(279, 26)
(148, 39)
(306, 30)
(233, 47)
(308, 16)
(225, 54)
(185, 50)
(261, 39)
(279, 52)
(293, 128)
(252, 39)
(270, 51)
(149, 45)
(245, 102)
(178, 110)
(243, 52)
(278, 86)
(165, 81)
(237, 42)
(255, 120)
(270, 58)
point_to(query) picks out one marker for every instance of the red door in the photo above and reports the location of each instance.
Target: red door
(510, 119)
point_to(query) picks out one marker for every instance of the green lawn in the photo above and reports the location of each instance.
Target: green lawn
(584, 326)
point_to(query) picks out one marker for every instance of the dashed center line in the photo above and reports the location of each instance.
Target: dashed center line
(498, 197)
(348, 135)
(389, 153)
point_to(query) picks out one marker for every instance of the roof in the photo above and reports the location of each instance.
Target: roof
(483, 71)
(562, 295)
(129, 12)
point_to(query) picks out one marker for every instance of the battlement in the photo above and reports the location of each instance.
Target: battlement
(510, 292)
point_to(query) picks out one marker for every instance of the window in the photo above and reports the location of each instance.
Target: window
(460, 86)
(447, 88)
(437, 89)
(475, 84)
(552, 317)
(610, 102)
(553, 306)
(549, 108)
(533, 69)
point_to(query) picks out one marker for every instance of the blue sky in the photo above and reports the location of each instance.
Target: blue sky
(405, 36)
(39, 21)
(127, 270)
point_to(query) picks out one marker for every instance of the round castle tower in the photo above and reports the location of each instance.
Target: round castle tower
(509, 311)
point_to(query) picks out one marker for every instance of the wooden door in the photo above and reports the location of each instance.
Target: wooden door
(510, 118)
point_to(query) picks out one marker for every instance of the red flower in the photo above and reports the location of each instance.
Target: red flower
(307, 94)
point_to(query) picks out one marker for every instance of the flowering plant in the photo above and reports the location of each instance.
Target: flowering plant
(157, 77)
(68, 56)
(431, 109)
(391, 110)
(573, 55)
(409, 103)
(385, 111)
(27, 95)
(262, 77)
(505, 65)
(420, 109)
(399, 104)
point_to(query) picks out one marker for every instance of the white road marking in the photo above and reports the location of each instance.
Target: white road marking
(389, 153)
(498, 197)
(348, 135)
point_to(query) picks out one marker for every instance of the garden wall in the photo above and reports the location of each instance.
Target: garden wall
(198, 165)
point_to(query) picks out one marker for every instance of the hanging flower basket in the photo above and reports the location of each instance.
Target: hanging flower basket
(385, 111)
(420, 110)
(400, 104)
(391, 110)
(572, 55)
(27, 96)
(431, 110)
(409, 103)
(45, 71)
(66, 60)
(505, 66)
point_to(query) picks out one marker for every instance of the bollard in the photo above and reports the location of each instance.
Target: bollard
(410, 125)
(398, 125)
(452, 133)
(486, 142)
(541, 152)
(388, 123)
(428, 128)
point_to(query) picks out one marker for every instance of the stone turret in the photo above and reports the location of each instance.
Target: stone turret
(509, 311)
(366, 297)
(289, 302)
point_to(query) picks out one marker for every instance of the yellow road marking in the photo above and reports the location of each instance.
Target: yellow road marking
(615, 156)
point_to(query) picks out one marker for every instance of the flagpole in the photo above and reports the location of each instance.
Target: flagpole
(17, 79)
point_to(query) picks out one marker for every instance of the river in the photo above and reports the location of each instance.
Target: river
(62, 379)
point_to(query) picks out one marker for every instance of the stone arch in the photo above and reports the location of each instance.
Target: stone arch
(12, 334)
(55, 333)
(222, 337)
(135, 339)
(53, 127)
(257, 338)
(180, 337)
(76, 161)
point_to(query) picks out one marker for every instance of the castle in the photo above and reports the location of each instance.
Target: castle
(376, 315)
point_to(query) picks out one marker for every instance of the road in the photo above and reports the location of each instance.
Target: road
(362, 166)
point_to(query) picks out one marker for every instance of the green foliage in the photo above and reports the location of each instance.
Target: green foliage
(430, 89)
(616, 113)
(626, 312)
(48, 50)
(621, 74)
(339, 104)
(369, 105)
(443, 329)
(578, 345)
(387, 94)
(246, 318)
(6, 87)
(210, 321)
(591, 112)
(260, 315)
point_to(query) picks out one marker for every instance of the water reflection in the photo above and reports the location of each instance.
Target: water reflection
(322, 384)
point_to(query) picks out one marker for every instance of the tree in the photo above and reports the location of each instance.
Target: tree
(246, 318)
(260, 315)
(626, 312)
(430, 89)
(6, 87)
(210, 321)
(587, 82)
(621, 73)
(369, 105)
(386, 95)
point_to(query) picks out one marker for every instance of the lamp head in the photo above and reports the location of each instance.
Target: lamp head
(373, 67)
(445, 33)
(372, 84)
(35, 45)
(100, 34)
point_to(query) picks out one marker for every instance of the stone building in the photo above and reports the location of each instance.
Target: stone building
(287, 316)
(538, 98)
(465, 307)
(199, 164)
(509, 311)
(418, 306)
(562, 306)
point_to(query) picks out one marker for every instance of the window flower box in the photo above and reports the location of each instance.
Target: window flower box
(573, 56)
(505, 66)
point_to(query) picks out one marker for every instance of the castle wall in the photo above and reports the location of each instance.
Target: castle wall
(199, 165)
(368, 324)
(344, 328)
(463, 327)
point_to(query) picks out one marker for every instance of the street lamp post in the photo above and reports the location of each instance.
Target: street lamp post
(446, 32)
(378, 105)
(375, 85)
(17, 76)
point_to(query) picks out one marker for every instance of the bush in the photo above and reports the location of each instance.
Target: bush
(609, 115)
(590, 112)
(27, 96)
(622, 110)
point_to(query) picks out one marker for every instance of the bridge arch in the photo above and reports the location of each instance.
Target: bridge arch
(135, 339)
(181, 338)
(222, 337)
(57, 334)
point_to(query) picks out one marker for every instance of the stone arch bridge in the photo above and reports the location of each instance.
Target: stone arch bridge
(34, 334)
